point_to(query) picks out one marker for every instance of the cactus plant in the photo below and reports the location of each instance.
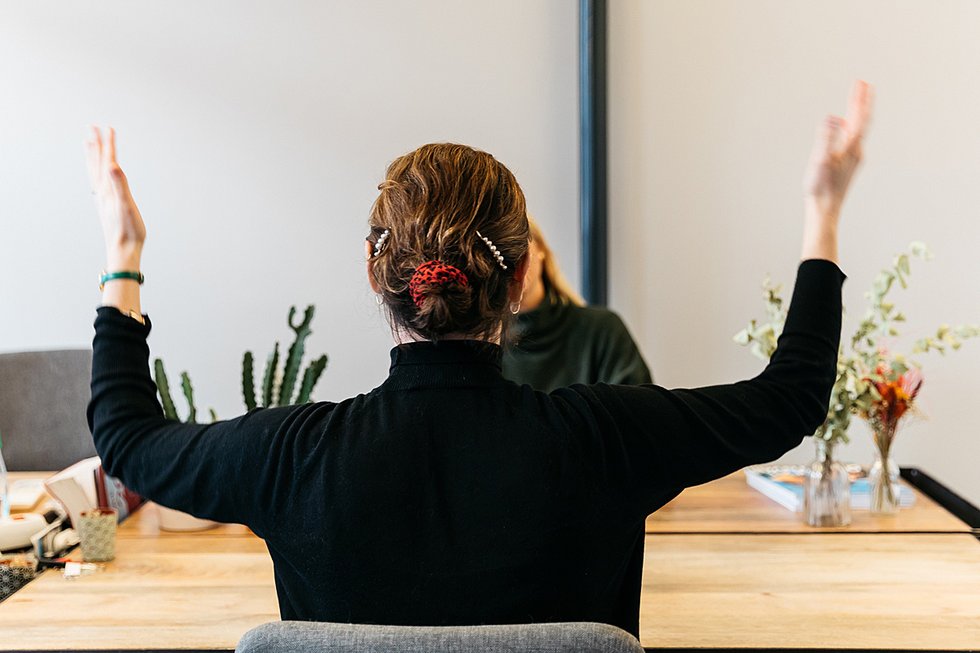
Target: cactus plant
(310, 377)
(185, 385)
(163, 387)
(295, 356)
(284, 394)
(166, 399)
(248, 381)
(269, 378)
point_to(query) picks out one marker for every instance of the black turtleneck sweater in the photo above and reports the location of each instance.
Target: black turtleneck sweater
(558, 345)
(449, 495)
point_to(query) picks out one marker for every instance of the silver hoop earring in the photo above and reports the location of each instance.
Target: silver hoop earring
(379, 299)
(515, 307)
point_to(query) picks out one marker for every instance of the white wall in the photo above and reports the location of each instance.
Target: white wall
(254, 135)
(713, 106)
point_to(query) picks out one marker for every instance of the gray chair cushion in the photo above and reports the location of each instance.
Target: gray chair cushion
(43, 398)
(310, 637)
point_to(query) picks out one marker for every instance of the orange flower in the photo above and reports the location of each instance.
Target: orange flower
(897, 396)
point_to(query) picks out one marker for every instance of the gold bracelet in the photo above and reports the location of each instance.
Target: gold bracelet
(133, 314)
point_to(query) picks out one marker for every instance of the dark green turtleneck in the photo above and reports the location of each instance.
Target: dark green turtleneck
(558, 345)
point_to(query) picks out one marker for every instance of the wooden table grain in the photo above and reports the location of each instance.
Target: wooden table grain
(201, 591)
(196, 591)
(895, 591)
(146, 523)
(729, 505)
(721, 588)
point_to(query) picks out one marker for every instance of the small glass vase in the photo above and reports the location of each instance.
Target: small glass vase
(826, 489)
(883, 484)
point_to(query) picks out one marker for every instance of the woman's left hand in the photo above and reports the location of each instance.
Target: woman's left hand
(122, 224)
(837, 152)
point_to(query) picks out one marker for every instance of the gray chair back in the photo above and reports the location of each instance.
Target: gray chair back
(310, 637)
(43, 398)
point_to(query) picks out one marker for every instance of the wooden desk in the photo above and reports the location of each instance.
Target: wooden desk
(700, 590)
(729, 505)
(196, 591)
(145, 524)
(831, 591)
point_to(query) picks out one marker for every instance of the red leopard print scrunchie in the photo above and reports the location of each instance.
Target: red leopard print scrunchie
(433, 273)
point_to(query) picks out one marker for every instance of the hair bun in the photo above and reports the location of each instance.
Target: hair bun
(434, 273)
(441, 303)
(433, 200)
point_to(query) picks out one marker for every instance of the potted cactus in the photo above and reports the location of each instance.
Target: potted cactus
(279, 388)
(166, 399)
(283, 394)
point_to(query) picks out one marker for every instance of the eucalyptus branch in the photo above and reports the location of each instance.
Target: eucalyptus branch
(880, 318)
(762, 337)
(854, 390)
(946, 336)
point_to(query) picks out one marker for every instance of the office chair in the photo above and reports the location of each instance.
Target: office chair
(310, 637)
(43, 398)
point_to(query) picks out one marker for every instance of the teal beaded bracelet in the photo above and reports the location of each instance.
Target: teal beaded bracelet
(111, 276)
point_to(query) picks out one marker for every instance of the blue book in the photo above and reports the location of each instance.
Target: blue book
(784, 485)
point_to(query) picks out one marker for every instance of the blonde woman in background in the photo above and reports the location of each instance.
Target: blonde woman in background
(558, 341)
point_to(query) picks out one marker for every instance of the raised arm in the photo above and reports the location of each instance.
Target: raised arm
(659, 441)
(228, 471)
(837, 151)
(122, 224)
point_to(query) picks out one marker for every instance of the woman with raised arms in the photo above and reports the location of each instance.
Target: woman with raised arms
(448, 495)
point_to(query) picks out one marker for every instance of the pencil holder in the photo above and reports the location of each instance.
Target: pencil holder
(97, 532)
(13, 577)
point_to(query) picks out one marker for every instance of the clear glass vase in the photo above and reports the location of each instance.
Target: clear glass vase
(883, 484)
(826, 489)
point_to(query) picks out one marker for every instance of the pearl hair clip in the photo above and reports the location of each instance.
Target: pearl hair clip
(381, 242)
(493, 250)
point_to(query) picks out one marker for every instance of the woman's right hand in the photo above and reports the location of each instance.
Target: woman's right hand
(122, 224)
(833, 161)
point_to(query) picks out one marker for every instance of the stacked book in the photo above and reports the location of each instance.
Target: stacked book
(85, 486)
(784, 485)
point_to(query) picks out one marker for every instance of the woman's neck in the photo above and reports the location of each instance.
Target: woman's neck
(533, 297)
(404, 337)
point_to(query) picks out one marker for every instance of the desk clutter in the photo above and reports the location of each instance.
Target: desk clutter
(24, 494)
(80, 506)
(85, 486)
(14, 574)
(86, 508)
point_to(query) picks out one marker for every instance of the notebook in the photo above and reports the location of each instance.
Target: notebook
(784, 485)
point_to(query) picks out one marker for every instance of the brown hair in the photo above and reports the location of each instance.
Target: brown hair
(552, 278)
(432, 202)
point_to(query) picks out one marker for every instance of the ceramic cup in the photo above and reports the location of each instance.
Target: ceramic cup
(97, 532)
